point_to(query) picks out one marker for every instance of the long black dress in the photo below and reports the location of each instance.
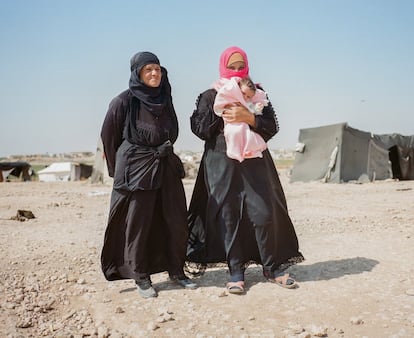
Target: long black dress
(238, 212)
(147, 227)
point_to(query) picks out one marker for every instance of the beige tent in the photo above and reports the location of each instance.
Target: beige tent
(339, 153)
(100, 169)
(64, 171)
(59, 171)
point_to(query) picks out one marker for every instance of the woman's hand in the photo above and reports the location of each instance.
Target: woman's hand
(238, 113)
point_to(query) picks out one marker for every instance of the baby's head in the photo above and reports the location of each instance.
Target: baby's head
(247, 87)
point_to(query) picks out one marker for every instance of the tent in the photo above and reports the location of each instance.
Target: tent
(100, 170)
(339, 153)
(401, 154)
(15, 169)
(65, 171)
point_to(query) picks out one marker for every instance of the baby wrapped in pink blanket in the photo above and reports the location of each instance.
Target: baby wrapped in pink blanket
(241, 141)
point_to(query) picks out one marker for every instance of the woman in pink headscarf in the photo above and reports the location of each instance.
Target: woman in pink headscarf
(238, 212)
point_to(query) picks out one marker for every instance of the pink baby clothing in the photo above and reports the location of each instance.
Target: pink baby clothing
(241, 141)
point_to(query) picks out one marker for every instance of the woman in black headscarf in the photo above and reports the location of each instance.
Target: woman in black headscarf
(147, 225)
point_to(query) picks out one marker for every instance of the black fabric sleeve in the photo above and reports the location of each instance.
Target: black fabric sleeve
(204, 122)
(112, 130)
(267, 125)
(173, 133)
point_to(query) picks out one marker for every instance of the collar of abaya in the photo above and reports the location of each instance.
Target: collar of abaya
(224, 59)
(154, 99)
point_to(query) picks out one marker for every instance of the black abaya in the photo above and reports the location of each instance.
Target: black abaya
(147, 225)
(238, 211)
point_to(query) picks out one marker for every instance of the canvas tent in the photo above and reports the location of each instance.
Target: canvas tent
(401, 153)
(339, 153)
(15, 169)
(65, 171)
(100, 170)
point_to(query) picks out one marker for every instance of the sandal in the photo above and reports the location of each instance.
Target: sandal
(235, 287)
(285, 281)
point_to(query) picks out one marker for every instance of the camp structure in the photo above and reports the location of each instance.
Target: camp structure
(401, 154)
(65, 171)
(338, 153)
(15, 169)
(100, 169)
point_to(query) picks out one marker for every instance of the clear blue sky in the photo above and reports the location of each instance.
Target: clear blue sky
(321, 62)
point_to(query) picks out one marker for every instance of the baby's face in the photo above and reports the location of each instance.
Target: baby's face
(247, 92)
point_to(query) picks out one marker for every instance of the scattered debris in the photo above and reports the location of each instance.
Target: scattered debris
(404, 189)
(23, 215)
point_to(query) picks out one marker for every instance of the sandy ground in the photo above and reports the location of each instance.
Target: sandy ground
(357, 280)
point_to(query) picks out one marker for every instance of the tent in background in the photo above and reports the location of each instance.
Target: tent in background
(338, 153)
(15, 169)
(64, 171)
(401, 150)
(100, 170)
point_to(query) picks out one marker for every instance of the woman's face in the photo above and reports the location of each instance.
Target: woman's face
(151, 75)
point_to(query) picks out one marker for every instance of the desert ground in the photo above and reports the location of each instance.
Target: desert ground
(357, 279)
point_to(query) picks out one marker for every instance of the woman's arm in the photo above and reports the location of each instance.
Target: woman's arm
(174, 130)
(266, 124)
(111, 132)
(204, 122)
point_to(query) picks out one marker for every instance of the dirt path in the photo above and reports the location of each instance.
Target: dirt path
(357, 280)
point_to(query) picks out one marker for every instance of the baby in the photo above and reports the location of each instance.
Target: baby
(241, 141)
(254, 97)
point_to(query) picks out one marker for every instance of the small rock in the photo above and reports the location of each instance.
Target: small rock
(356, 321)
(296, 329)
(303, 335)
(103, 332)
(119, 310)
(161, 320)
(168, 317)
(151, 326)
(319, 331)
(163, 311)
(223, 294)
(24, 323)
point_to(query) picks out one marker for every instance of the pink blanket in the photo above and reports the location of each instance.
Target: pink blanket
(241, 141)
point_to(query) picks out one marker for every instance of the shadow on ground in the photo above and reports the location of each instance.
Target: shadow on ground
(219, 276)
(332, 269)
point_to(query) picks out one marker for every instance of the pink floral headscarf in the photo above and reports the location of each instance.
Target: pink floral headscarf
(224, 59)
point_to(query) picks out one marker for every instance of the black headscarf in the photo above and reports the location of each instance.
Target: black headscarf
(154, 99)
